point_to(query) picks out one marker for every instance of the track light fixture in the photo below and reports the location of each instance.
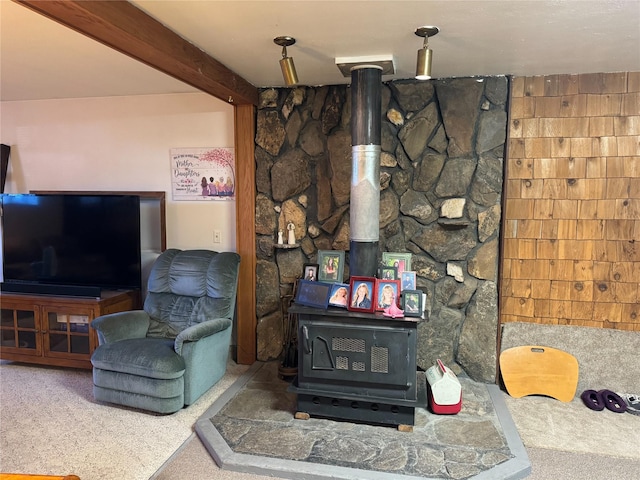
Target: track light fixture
(286, 63)
(425, 54)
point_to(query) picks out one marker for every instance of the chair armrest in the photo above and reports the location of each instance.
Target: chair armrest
(201, 330)
(121, 325)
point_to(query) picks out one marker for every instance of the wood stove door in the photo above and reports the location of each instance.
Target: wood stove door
(357, 355)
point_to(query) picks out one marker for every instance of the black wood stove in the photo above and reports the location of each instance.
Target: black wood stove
(356, 366)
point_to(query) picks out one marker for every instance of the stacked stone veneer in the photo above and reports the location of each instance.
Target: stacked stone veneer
(441, 178)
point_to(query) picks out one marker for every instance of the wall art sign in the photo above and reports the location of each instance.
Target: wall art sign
(203, 174)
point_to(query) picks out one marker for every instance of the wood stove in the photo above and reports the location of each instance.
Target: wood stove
(356, 366)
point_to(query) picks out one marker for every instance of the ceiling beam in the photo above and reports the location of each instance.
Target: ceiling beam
(127, 29)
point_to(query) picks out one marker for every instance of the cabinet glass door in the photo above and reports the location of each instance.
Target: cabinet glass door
(18, 330)
(68, 333)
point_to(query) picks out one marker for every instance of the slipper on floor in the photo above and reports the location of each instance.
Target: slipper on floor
(613, 401)
(593, 400)
(633, 403)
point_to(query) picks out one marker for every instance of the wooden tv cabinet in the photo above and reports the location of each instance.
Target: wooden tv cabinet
(54, 330)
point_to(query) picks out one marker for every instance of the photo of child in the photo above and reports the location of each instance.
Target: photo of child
(386, 297)
(362, 296)
(339, 295)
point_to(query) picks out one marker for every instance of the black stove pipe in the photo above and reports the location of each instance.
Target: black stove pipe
(366, 84)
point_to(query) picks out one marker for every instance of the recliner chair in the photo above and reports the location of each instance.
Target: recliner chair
(166, 356)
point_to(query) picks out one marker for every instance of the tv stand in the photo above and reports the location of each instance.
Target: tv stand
(54, 329)
(51, 289)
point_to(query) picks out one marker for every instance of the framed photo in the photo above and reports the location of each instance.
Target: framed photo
(313, 294)
(402, 261)
(310, 272)
(339, 296)
(331, 265)
(362, 294)
(408, 281)
(388, 273)
(412, 303)
(387, 293)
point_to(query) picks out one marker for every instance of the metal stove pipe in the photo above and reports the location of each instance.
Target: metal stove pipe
(366, 84)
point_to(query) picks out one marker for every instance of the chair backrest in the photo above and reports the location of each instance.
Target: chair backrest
(186, 287)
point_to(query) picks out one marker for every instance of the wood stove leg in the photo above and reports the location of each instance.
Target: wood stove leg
(405, 428)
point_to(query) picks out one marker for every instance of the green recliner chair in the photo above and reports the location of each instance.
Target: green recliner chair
(166, 356)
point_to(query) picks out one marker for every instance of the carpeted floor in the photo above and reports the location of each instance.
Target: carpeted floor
(547, 423)
(51, 425)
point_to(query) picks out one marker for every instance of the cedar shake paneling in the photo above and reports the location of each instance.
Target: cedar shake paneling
(571, 245)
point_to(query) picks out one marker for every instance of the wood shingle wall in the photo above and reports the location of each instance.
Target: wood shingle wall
(571, 250)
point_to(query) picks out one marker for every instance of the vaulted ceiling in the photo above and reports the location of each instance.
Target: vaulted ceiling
(41, 59)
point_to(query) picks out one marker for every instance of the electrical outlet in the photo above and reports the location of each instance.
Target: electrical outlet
(217, 236)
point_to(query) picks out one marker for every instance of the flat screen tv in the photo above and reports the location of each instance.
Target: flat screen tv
(70, 244)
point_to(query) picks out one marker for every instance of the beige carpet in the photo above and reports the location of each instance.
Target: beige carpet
(544, 422)
(50, 424)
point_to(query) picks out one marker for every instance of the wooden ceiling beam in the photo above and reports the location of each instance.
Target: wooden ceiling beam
(127, 29)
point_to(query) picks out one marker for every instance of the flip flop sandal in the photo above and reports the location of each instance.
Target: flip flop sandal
(593, 400)
(633, 403)
(613, 401)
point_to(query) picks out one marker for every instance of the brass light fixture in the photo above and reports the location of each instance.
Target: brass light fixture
(425, 54)
(286, 63)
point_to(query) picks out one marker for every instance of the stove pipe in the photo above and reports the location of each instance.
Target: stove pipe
(366, 83)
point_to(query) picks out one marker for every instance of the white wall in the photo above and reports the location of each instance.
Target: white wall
(121, 143)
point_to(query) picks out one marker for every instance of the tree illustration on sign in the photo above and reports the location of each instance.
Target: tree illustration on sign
(223, 158)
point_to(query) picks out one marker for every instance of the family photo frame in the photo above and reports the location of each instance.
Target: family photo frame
(408, 280)
(402, 261)
(362, 294)
(387, 293)
(313, 293)
(412, 303)
(310, 272)
(331, 264)
(386, 272)
(339, 296)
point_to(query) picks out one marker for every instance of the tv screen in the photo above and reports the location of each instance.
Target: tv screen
(70, 240)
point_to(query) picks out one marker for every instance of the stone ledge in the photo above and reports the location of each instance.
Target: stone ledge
(453, 223)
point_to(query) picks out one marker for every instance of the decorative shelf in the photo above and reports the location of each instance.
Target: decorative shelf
(286, 246)
(453, 223)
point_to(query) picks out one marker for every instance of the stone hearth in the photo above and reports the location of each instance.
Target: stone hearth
(251, 428)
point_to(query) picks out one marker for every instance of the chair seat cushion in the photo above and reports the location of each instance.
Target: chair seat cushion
(146, 357)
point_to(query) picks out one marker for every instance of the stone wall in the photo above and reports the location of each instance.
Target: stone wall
(441, 182)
